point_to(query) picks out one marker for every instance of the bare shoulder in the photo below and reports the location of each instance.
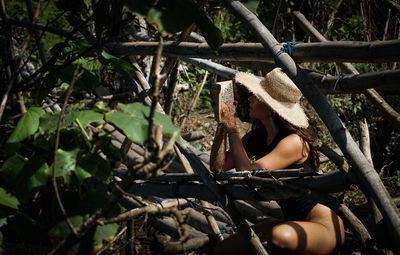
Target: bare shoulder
(292, 143)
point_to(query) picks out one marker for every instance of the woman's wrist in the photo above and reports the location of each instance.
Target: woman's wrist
(233, 131)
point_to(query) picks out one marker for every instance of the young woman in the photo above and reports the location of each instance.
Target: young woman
(278, 139)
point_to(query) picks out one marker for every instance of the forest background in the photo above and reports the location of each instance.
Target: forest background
(58, 82)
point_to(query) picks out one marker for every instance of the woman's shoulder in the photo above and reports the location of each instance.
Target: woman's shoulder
(292, 143)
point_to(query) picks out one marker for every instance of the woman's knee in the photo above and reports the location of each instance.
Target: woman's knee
(285, 237)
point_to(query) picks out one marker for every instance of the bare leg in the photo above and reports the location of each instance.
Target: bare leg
(320, 234)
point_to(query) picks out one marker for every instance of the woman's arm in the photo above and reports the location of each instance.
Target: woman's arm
(287, 152)
(220, 159)
(218, 150)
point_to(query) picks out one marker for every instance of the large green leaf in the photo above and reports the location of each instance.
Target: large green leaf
(134, 127)
(141, 111)
(86, 117)
(27, 125)
(133, 122)
(93, 165)
(7, 199)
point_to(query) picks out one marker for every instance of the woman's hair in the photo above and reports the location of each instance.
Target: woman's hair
(255, 139)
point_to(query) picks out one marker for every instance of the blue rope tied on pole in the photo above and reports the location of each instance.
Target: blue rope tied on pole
(288, 48)
(337, 81)
(159, 201)
(202, 153)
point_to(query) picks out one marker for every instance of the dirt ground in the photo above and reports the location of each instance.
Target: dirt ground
(205, 122)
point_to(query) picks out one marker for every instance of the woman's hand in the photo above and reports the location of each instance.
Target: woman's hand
(228, 118)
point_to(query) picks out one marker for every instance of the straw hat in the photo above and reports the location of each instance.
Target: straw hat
(278, 91)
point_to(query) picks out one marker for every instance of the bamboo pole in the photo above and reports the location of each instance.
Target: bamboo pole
(338, 51)
(365, 172)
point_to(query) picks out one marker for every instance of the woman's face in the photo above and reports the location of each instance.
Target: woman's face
(258, 110)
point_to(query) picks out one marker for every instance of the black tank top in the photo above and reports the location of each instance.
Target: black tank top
(292, 208)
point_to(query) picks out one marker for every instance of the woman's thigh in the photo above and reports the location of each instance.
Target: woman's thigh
(320, 234)
(322, 231)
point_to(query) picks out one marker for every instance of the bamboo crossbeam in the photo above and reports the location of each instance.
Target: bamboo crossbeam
(338, 51)
(384, 81)
(365, 172)
(334, 181)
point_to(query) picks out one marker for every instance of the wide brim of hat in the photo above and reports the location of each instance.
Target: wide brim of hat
(292, 113)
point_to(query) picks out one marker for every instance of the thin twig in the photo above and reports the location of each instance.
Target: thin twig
(75, 77)
(155, 91)
(195, 99)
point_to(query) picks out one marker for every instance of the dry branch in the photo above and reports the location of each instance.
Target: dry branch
(340, 51)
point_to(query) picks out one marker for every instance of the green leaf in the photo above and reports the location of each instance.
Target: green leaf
(27, 125)
(36, 171)
(12, 168)
(134, 127)
(3, 221)
(93, 165)
(211, 33)
(49, 122)
(141, 111)
(114, 62)
(104, 233)
(25, 176)
(86, 117)
(7, 199)
(133, 122)
(100, 107)
(65, 164)
(251, 5)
